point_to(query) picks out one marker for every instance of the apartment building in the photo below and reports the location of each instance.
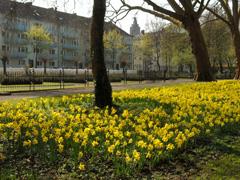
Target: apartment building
(70, 46)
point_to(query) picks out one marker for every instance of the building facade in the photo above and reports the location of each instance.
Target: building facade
(70, 34)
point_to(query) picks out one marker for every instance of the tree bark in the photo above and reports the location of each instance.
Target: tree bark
(199, 49)
(4, 62)
(220, 65)
(190, 69)
(236, 41)
(103, 89)
(45, 66)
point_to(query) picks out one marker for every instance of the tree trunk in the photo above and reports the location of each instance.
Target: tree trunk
(190, 69)
(158, 56)
(103, 89)
(4, 62)
(220, 66)
(113, 58)
(76, 67)
(158, 63)
(45, 66)
(199, 49)
(236, 41)
(214, 69)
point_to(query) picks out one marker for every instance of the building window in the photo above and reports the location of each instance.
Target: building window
(75, 42)
(5, 48)
(36, 50)
(38, 24)
(80, 65)
(75, 54)
(39, 63)
(23, 49)
(52, 51)
(5, 34)
(52, 64)
(21, 62)
(22, 36)
(52, 37)
(63, 40)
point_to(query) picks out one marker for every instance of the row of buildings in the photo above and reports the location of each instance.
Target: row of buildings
(70, 46)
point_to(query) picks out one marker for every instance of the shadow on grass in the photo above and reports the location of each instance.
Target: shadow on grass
(137, 105)
(214, 158)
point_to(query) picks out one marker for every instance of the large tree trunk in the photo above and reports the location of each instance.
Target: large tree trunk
(103, 89)
(236, 41)
(199, 49)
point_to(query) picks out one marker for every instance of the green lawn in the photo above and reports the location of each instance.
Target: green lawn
(216, 158)
(44, 86)
(53, 86)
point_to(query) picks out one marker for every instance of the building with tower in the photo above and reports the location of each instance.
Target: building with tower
(135, 28)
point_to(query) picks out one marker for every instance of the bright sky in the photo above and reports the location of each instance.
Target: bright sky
(84, 8)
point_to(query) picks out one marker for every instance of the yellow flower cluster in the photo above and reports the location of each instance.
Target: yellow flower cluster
(155, 121)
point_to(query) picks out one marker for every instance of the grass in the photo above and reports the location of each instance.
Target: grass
(217, 158)
(227, 163)
(53, 86)
(44, 86)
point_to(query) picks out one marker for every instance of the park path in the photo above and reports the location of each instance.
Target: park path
(47, 93)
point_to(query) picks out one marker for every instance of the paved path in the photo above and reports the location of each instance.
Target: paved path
(146, 84)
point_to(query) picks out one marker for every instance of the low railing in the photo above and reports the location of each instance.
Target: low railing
(36, 79)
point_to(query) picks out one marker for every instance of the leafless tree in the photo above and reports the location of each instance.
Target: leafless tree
(182, 12)
(229, 12)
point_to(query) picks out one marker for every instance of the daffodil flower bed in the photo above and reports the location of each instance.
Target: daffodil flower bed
(154, 123)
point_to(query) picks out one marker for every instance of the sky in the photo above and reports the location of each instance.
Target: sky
(84, 8)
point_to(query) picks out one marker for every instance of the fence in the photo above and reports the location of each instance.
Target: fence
(35, 79)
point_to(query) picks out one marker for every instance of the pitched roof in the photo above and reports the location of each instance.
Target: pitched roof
(29, 11)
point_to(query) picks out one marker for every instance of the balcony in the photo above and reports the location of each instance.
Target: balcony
(70, 35)
(68, 57)
(21, 27)
(21, 41)
(53, 56)
(12, 40)
(53, 45)
(20, 55)
(70, 46)
(18, 27)
(46, 44)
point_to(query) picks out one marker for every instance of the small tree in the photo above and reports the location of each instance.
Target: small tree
(169, 37)
(44, 58)
(156, 28)
(182, 53)
(40, 38)
(144, 46)
(113, 41)
(218, 40)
